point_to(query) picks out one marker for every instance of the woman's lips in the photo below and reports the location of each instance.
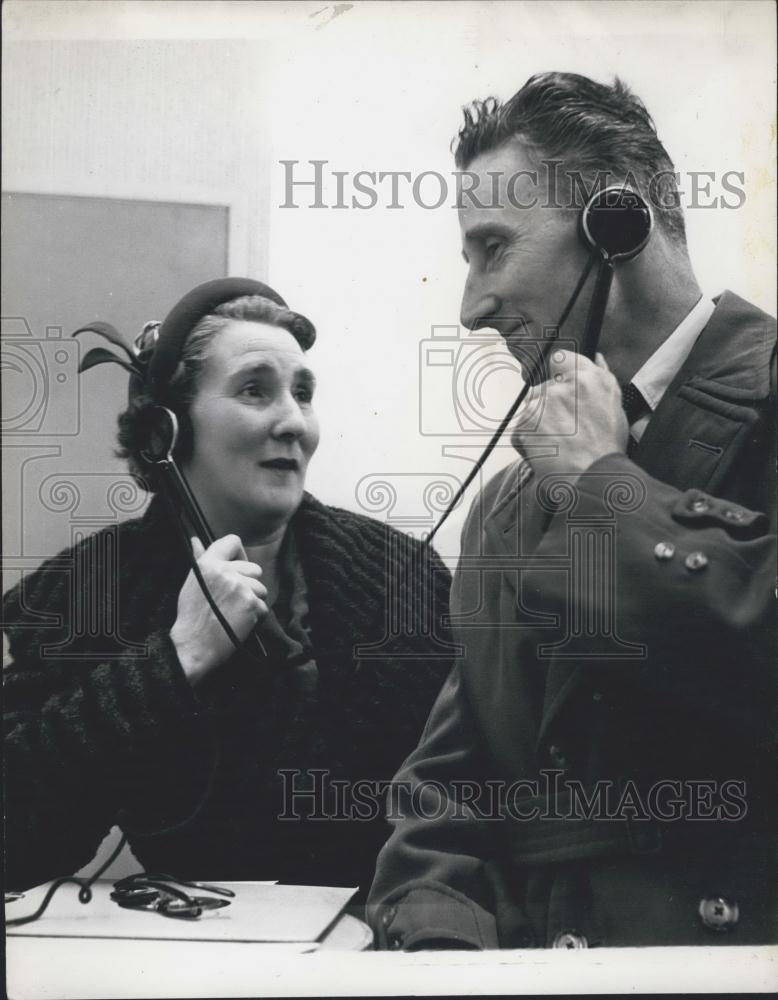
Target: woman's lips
(283, 464)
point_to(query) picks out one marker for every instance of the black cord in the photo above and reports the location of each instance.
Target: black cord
(84, 884)
(175, 488)
(197, 572)
(597, 307)
(517, 402)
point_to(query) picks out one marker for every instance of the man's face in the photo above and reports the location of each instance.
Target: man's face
(523, 262)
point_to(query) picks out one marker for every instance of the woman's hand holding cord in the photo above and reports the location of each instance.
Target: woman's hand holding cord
(234, 582)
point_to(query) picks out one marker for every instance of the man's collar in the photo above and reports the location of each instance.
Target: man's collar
(655, 376)
(735, 348)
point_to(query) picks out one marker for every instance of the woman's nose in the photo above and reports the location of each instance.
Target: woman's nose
(289, 420)
(478, 306)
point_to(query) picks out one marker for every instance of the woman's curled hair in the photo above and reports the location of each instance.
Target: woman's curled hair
(137, 421)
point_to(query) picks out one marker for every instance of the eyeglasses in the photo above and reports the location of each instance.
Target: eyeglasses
(159, 893)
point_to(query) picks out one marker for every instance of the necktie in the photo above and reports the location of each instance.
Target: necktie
(635, 406)
(633, 402)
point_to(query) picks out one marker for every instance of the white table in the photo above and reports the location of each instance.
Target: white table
(88, 964)
(61, 969)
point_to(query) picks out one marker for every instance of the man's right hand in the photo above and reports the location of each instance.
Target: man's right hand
(583, 395)
(234, 584)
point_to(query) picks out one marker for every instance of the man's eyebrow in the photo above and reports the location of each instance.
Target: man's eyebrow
(483, 229)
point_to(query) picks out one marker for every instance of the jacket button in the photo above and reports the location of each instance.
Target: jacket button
(718, 913)
(395, 942)
(733, 514)
(570, 939)
(700, 506)
(388, 915)
(696, 561)
(664, 550)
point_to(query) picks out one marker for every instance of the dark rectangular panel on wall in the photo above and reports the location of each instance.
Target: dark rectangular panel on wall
(68, 260)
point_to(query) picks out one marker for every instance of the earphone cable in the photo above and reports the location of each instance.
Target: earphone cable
(84, 884)
(198, 573)
(529, 382)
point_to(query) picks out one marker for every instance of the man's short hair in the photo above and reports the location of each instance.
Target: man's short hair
(601, 135)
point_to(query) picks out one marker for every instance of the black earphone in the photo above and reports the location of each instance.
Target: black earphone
(151, 365)
(162, 439)
(615, 225)
(617, 222)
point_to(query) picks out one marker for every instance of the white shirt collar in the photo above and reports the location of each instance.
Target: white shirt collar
(654, 377)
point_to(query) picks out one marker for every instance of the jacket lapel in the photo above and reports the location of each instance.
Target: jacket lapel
(504, 530)
(699, 428)
(708, 411)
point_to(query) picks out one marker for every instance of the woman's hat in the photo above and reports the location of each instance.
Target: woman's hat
(158, 351)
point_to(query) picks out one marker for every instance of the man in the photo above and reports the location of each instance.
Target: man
(598, 768)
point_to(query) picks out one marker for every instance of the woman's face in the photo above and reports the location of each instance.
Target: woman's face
(254, 430)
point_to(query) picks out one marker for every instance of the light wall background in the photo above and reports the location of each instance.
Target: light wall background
(199, 103)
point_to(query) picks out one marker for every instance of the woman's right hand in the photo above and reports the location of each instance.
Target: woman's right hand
(234, 584)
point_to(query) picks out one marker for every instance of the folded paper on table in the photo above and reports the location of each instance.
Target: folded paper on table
(259, 912)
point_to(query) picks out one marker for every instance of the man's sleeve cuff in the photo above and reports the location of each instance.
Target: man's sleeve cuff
(430, 912)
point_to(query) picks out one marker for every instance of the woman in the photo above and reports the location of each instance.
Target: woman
(220, 763)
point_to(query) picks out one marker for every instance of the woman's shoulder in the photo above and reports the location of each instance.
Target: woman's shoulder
(325, 524)
(338, 519)
(50, 586)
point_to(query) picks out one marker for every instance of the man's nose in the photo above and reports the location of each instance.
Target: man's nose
(478, 305)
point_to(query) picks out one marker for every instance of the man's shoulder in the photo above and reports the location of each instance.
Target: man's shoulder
(743, 311)
(501, 487)
(738, 344)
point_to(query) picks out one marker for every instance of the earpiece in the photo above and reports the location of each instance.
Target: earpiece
(617, 222)
(162, 435)
(157, 353)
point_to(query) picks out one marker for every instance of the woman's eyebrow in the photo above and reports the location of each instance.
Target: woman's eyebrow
(304, 375)
(254, 367)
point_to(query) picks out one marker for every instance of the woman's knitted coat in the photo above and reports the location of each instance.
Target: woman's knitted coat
(240, 778)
